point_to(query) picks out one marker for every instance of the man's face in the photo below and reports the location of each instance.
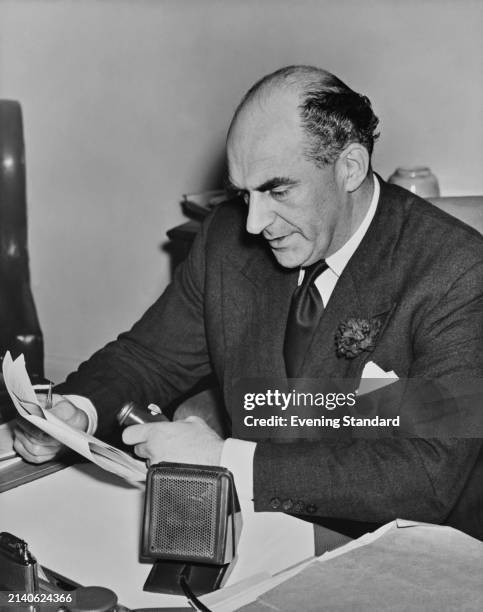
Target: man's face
(299, 208)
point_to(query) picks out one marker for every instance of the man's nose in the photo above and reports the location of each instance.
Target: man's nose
(260, 215)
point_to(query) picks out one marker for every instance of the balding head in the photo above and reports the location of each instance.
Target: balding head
(300, 158)
(330, 114)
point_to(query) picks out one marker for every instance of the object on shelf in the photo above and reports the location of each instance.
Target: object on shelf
(198, 205)
(418, 179)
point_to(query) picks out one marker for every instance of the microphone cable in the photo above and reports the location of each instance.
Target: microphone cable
(194, 602)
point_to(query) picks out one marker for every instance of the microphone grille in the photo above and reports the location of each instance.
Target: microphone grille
(184, 508)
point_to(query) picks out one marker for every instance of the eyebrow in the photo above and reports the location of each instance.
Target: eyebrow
(277, 181)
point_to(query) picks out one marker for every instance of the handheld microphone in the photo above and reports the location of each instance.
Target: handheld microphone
(132, 414)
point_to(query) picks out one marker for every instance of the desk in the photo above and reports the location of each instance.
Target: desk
(85, 524)
(21, 472)
(14, 471)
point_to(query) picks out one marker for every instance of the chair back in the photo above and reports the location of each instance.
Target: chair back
(466, 208)
(19, 325)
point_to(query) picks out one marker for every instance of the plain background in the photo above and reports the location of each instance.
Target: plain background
(126, 104)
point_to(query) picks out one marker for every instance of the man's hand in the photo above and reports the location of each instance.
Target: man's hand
(189, 440)
(34, 445)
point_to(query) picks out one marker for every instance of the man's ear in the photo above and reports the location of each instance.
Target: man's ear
(353, 165)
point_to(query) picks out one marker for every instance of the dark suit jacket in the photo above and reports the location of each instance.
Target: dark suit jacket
(417, 269)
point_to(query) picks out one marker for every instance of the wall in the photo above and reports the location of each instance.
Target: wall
(126, 105)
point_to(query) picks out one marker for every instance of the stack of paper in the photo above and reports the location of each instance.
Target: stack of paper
(403, 566)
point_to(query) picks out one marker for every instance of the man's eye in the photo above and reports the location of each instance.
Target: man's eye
(278, 194)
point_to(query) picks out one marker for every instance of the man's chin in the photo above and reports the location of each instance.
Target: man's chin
(287, 258)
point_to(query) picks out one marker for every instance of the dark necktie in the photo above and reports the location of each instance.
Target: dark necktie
(306, 309)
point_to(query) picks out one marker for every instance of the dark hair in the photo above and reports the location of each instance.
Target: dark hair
(332, 114)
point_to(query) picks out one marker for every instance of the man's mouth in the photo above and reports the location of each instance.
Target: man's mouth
(278, 243)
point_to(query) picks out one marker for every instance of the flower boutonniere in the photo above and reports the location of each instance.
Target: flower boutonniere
(356, 335)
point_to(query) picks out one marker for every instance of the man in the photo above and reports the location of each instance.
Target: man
(299, 150)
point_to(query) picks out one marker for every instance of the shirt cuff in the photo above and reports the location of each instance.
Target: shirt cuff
(87, 407)
(237, 456)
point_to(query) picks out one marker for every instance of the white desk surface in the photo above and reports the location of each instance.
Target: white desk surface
(86, 524)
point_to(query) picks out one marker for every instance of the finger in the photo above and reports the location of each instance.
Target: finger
(141, 450)
(34, 447)
(20, 449)
(34, 434)
(29, 428)
(63, 409)
(134, 434)
(194, 419)
(70, 414)
(36, 439)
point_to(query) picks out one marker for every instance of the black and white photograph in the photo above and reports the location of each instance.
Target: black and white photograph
(241, 305)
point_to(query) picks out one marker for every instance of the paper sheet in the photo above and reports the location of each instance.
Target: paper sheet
(104, 455)
(403, 566)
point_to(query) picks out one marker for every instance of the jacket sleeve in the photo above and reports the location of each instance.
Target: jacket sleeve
(378, 480)
(163, 355)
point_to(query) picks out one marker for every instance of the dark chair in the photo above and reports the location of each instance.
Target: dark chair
(19, 325)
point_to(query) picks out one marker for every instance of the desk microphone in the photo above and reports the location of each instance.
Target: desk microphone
(191, 522)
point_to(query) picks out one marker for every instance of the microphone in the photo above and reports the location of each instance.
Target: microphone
(192, 521)
(132, 414)
(191, 515)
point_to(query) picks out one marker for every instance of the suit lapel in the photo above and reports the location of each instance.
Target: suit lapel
(263, 291)
(349, 300)
(363, 291)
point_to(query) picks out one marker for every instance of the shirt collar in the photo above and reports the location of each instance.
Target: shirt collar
(338, 260)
